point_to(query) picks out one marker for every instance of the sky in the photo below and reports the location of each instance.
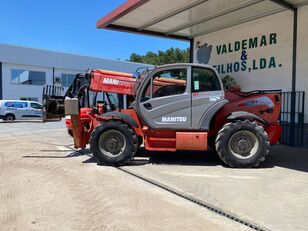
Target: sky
(70, 26)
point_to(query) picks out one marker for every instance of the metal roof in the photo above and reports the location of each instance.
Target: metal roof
(45, 58)
(186, 19)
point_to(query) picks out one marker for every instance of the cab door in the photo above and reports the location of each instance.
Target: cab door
(164, 98)
(207, 91)
(35, 111)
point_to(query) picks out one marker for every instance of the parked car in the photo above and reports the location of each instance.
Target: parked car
(11, 110)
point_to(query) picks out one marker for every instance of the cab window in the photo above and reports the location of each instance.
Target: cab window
(169, 82)
(204, 80)
(146, 94)
(36, 106)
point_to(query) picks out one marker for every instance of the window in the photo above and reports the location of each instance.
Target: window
(28, 77)
(16, 104)
(67, 79)
(204, 80)
(146, 93)
(29, 98)
(169, 82)
(36, 105)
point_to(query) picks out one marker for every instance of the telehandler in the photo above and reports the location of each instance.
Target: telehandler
(176, 107)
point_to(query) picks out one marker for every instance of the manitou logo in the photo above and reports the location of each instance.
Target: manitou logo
(174, 119)
(111, 81)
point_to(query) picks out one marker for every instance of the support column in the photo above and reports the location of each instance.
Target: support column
(294, 70)
(191, 52)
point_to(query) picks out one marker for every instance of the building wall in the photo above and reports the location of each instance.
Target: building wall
(16, 91)
(255, 75)
(267, 66)
(16, 57)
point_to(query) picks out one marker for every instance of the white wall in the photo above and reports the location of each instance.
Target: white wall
(267, 78)
(15, 91)
(270, 77)
(17, 57)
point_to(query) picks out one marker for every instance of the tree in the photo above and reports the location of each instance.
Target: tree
(172, 55)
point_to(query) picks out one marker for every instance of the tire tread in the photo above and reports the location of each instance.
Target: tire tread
(221, 148)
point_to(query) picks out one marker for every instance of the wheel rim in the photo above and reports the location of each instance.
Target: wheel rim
(243, 144)
(112, 143)
(10, 118)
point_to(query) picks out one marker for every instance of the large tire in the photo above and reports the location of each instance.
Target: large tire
(113, 143)
(242, 144)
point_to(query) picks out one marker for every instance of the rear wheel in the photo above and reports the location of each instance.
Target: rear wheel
(113, 143)
(9, 118)
(242, 144)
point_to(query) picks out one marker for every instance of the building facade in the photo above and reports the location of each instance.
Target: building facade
(261, 44)
(259, 55)
(24, 71)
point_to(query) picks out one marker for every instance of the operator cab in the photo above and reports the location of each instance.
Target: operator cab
(178, 96)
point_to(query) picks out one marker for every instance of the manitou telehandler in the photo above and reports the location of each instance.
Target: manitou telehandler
(176, 107)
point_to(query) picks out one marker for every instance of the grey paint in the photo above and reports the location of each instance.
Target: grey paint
(183, 105)
(123, 116)
(168, 106)
(210, 113)
(201, 105)
(204, 53)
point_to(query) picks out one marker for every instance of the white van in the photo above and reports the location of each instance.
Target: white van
(11, 110)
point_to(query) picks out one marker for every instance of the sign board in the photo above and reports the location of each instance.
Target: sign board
(257, 54)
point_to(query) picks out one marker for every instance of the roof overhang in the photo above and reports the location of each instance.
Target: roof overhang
(186, 19)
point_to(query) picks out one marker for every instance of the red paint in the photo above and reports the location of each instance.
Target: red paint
(191, 141)
(274, 132)
(236, 103)
(119, 12)
(171, 140)
(116, 82)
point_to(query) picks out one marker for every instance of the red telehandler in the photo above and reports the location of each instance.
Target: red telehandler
(176, 107)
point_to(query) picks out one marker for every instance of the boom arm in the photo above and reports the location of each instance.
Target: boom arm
(115, 82)
(96, 81)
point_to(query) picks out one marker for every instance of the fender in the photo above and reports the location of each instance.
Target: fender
(209, 114)
(246, 115)
(122, 116)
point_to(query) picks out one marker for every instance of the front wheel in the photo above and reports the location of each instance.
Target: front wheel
(9, 118)
(242, 144)
(113, 143)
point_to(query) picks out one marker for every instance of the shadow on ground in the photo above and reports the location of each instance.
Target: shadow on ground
(287, 157)
(208, 158)
(280, 156)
